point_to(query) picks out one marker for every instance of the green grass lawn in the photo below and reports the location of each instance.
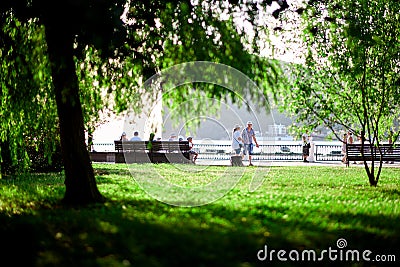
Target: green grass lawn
(295, 209)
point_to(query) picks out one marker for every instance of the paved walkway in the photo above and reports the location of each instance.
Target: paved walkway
(286, 163)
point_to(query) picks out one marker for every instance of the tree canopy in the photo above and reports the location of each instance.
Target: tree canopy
(351, 79)
(78, 49)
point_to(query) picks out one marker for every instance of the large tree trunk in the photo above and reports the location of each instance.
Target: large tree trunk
(80, 182)
(372, 180)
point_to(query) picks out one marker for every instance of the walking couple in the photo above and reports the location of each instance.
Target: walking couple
(244, 139)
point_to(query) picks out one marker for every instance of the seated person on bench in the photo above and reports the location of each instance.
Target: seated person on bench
(191, 151)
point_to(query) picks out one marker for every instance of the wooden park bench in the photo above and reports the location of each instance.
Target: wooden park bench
(390, 153)
(158, 152)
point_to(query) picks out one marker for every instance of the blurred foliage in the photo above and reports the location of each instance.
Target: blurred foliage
(27, 106)
(350, 79)
(118, 45)
(38, 145)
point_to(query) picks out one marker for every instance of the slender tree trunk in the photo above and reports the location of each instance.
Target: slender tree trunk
(372, 180)
(80, 182)
(369, 170)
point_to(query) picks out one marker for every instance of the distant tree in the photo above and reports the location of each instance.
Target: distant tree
(112, 45)
(351, 76)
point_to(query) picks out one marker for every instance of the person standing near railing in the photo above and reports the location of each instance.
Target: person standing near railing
(344, 143)
(237, 141)
(306, 147)
(350, 140)
(311, 150)
(248, 137)
(390, 142)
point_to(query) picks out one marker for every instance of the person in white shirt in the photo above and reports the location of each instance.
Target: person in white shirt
(237, 141)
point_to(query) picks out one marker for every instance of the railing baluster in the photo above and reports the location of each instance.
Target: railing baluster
(269, 152)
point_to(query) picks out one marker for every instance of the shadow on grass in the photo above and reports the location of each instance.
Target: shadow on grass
(150, 233)
(394, 192)
(107, 171)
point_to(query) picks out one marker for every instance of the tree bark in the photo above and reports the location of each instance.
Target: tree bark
(80, 183)
(372, 180)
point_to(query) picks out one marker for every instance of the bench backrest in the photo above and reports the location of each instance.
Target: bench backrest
(171, 146)
(388, 151)
(157, 146)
